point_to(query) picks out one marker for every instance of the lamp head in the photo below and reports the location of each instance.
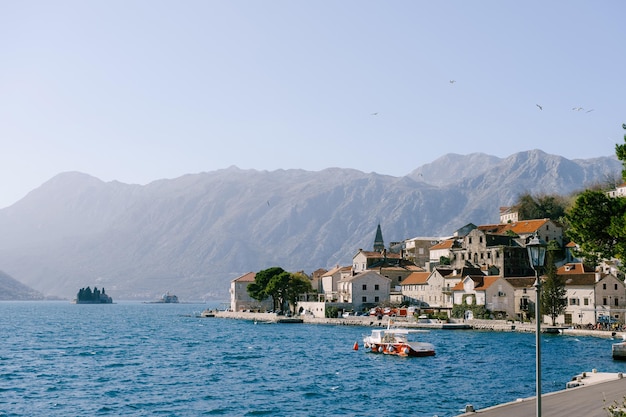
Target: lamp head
(536, 251)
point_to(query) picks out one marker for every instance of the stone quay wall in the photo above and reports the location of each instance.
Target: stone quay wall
(411, 322)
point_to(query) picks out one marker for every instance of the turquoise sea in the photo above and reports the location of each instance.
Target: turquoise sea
(134, 359)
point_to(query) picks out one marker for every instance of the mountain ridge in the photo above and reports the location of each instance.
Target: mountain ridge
(191, 235)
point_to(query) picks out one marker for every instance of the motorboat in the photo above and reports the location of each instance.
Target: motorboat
(395, 341)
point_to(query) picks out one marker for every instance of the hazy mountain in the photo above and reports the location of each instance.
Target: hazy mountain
(11, 289)
(192, 235)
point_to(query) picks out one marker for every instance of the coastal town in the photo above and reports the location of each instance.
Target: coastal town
(483, 271)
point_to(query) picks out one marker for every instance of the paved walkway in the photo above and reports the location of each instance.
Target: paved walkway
(584, 401)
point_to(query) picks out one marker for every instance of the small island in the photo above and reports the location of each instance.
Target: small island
(87, 296)
(167, 298)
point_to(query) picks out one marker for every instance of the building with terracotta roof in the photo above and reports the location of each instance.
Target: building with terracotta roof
(493, 292)
(503, 246)
(364, 290)
(330, 280)
(239, 297)
(433, 290)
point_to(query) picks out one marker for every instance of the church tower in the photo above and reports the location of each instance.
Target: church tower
(379, 244)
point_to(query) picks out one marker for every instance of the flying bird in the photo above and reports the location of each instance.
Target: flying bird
(374, 114)
(577, 108)
(452, 81)
(589, 111)
(540, 108)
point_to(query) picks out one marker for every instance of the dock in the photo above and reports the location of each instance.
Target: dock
(591, 395)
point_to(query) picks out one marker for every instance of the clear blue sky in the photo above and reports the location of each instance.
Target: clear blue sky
(141, 90)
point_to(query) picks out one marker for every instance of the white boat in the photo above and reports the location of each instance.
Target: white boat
(618, 350)
(395, 341)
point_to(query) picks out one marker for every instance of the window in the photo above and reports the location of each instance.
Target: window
(604, 301)
(604, 286)
(376, 287)
(364, 287)
(376, 299)
(586, 301)
(364, 299)
(615, 287)
(573, 301)
(616, 302)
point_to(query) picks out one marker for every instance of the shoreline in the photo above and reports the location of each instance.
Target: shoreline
(370, 321)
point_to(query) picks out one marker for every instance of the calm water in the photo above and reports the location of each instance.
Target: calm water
(133, 359)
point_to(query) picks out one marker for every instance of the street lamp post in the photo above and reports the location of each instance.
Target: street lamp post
(536, 253)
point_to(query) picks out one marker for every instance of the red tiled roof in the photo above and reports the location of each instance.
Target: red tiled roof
(446, 244)
(249, 277)
(416, 278)
(574, 268)
(487, 281)
(482, 282)
(523, 227)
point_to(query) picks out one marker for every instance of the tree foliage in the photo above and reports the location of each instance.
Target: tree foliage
(620, 152)
(284, 287)
(258, 289)
(541, 207)
(86, 295)
(596, 224)
(553, 295)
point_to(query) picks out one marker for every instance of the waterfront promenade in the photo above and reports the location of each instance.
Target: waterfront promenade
(410, 322)
(584, 401)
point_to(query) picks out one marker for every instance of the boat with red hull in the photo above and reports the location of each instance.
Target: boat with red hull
(395, 341)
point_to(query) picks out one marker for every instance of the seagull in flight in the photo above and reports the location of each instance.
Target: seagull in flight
(374, 114)
(540, 108)
(452, 81)
(589, 111)
(578, 108)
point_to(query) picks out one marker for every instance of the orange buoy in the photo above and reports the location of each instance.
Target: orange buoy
(356, 346)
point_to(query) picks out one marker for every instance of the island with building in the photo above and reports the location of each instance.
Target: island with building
(95, 296)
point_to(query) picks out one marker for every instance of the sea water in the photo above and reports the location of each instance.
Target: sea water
(134, 359)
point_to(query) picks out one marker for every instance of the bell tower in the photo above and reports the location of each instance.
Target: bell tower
(379, 244)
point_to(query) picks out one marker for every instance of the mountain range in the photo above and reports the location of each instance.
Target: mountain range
(193, 234)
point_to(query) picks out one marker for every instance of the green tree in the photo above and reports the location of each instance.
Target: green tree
(258, 289)
(620, 152)
(298, 284)
(595, 223)
(278, 288)
(541, 207)
(284, 287)
(553, 295)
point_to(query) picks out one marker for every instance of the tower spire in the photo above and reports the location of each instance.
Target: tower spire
(379, 244)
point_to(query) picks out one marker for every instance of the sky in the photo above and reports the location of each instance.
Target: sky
(141, 90)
